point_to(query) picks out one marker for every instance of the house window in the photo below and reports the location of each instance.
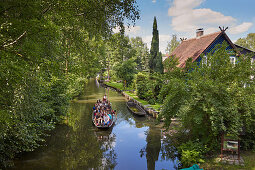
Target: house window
(233, 60)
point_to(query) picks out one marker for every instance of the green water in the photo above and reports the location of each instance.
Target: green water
(133, 142)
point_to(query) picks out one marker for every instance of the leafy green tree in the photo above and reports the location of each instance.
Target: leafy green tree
(117, 50)
(155, 61)
(171, 45)
(213, 98)
(140, 53)
(126, 71)
(172, 72)
(247, 42)
(120, 48)
(148, 86)
(142, 85)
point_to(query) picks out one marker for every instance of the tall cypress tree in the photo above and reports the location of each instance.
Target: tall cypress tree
(155, 62)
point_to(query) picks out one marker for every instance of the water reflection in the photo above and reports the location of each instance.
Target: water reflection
(152, 148)
(108, 142)
(133, 143)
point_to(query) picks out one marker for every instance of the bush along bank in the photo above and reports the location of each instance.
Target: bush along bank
(35, 110)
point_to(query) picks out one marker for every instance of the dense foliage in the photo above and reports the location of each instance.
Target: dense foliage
(213, 98)
(48, 50)
(120, 48)
(192, 153)
(126, 71)
(140, 53)
(148, 86)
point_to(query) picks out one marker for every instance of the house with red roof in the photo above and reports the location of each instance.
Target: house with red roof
(203, 44)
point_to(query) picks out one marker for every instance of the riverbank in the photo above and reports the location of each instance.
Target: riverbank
(130, 94)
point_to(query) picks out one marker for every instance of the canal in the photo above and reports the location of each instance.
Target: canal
(133, 142)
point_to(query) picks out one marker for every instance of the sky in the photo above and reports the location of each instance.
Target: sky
(183, 17)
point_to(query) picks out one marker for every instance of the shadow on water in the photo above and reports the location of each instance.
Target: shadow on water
(133, 143)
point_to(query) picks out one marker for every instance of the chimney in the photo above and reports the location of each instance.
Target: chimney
(199, 32)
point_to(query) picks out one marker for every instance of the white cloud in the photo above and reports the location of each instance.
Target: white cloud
(211, 30)
(163, 39)
(180, 7)
(187, 17)
(133, 29)
(154, 1)
(128, 30)
(240, 28)
(147, 40)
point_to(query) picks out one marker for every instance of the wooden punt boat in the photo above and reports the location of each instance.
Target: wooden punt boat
(101, 126)
(135, 109)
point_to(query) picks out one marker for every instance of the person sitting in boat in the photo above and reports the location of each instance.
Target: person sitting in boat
(95, 112)
(106, 120)
(97, 118)
(110, 117)
(109, 107)
(108, 104)
(113, 112)
(102, 116)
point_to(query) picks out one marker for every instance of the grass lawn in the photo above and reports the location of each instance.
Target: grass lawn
(249, 163)
(143, 102)
(133, 95)
(117, 85)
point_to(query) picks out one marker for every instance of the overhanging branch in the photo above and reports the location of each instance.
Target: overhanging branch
(15, 41)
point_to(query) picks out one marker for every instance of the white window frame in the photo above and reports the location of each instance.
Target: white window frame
(232, 60)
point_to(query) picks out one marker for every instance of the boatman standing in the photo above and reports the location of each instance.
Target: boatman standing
(105, 97)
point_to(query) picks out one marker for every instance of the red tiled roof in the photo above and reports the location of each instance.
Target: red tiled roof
(193, 48)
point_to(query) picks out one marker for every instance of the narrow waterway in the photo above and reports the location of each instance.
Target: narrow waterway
(133, 143)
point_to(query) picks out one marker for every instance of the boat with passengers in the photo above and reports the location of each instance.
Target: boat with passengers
(103, 115)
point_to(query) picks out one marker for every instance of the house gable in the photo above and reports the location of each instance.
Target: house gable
(193, 48)
(219, 40)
